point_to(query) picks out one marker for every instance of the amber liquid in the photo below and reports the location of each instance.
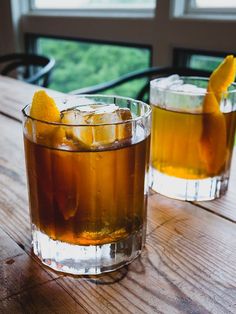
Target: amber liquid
(177, 147)
(87, 197)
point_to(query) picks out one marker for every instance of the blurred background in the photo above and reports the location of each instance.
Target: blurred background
(94, 41)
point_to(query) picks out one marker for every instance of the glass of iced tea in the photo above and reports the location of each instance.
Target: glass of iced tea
(192, 143)
(87, 181)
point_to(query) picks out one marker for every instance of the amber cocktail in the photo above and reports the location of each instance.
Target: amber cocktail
(191, 146)
(87, 179)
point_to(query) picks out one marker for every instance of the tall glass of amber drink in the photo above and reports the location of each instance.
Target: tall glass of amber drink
(192, 138)
(87, 181)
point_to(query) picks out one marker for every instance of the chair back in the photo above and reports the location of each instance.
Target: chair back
(35, 69)
(149, 73)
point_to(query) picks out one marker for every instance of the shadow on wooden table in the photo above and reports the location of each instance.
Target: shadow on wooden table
(116, 276)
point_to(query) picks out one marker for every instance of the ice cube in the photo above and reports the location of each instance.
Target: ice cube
(124, 130)
(185, 97)
(97, 125)
(158, 87)
(175, 83)
(187, 88)
(104, 134)
(76, 133)
(172, 93)
(166, 82)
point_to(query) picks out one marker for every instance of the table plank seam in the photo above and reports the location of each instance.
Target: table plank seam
(33, 287)
(193, 304)
(160, 225)
(19, 244)
(7, 259)
(98, 293)
(213, 212)
(62, 286)
(32, 256)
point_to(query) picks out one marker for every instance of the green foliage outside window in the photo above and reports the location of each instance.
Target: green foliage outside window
(84, 64)
(204, 62)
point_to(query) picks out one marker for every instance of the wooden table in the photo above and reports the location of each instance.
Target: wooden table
(188, 265)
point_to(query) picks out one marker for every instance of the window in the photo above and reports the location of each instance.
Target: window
(207, 9)
(214, 4)
(81, 64)
(202, 62)
(101, 8)
(218, 7)
(78, 4)
(198, 59)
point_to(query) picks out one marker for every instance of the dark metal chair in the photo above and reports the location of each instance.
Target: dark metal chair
(149, 73)
(31, 68)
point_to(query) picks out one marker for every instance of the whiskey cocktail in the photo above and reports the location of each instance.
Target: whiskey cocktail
(87, 179)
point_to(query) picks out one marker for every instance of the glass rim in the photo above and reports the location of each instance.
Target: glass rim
(67, 97)
(191, 93)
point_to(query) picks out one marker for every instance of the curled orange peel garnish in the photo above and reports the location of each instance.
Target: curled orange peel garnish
(214, 134)
(43, 108)
(221, 78)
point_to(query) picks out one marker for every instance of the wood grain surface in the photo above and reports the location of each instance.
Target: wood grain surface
(17, 94)
(26, 287)
(187, 266)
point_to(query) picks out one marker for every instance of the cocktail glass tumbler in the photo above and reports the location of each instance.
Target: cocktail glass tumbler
(192, 139)
(88, 186)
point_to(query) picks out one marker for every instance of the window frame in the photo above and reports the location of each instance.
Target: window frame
(191, 9)
(181, 56)
(161, 32)
(95, 11)
(31, 42)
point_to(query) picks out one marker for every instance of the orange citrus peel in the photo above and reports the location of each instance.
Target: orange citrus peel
(221, 78)
(213, 140)
(223, 75)
(43, 108)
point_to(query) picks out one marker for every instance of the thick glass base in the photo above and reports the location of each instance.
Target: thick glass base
(188, 189)
(86, 260)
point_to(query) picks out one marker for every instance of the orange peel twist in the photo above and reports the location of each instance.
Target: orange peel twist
(213, 142)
